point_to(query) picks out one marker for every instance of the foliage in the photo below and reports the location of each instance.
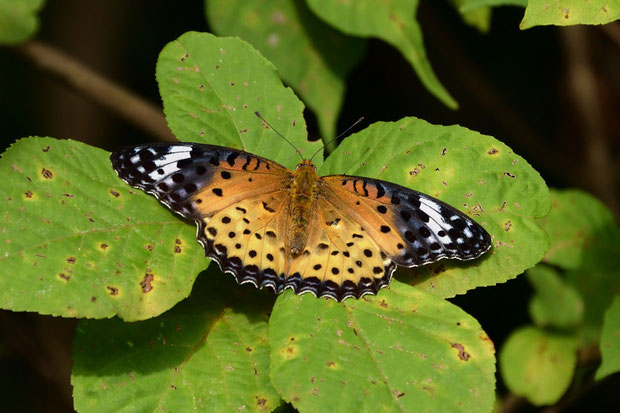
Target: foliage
(570, 12)
(68, 177)
(18, 20)
(610, 347)
(77, 242)
(312, 57)
(568, 305)
(538, 364)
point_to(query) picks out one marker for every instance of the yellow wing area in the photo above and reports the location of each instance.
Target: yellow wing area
(247, 239)
(340, 260)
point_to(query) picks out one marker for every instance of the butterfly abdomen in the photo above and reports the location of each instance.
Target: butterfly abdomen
(302, 206)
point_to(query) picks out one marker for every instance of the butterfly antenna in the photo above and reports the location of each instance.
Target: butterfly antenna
(297, 151)
(337, 137)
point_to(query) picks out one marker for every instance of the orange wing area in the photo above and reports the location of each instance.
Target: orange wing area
(197, 180)
(409, 227)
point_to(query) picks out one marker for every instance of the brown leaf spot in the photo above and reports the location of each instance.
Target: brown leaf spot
(112, 290)
(261, 402)
(429, 390)
(146, 282)
(103, 246)
(47, 148)
(177, 249)
(93, 299)
(507, 225)
(463, 355)
(508, 174)
(64, 276)
(71, 260)
(28, 194)
(398, 393)
(47, 174)
(493, 151)
(248, 349)
(331, 364)
(383, 304)
(115, 193)
(149, 247)
(443, 151)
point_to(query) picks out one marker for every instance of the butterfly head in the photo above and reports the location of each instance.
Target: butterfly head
(305, 164)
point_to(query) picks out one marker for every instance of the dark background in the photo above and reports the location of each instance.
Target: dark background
(549, 93)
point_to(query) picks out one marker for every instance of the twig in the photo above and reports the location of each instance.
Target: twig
(99, 89)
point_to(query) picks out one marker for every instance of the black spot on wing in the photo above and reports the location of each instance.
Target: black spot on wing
(370, 282)
(429, 228)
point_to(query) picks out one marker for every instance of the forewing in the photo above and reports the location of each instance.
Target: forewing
(197, 180)
(409, 227)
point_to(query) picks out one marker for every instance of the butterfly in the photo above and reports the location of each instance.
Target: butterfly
(334, 236)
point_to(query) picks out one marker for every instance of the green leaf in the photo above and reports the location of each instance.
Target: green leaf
(582, 231)
(76, 241)
(391, 21)
(311, 56)
(211, 88)
(475, 173)
(18, 20)
(610, 341)
(538, 364)
(478, 18)
(585, 240)
(404, 350)
(556, 303)
(208, 353)
(569, 12)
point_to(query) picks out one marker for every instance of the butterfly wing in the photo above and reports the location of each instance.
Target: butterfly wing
(340, 259)
(238, 200)
(408, 227)
(197, 180)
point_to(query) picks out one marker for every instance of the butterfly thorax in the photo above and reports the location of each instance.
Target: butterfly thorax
(304, 190)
